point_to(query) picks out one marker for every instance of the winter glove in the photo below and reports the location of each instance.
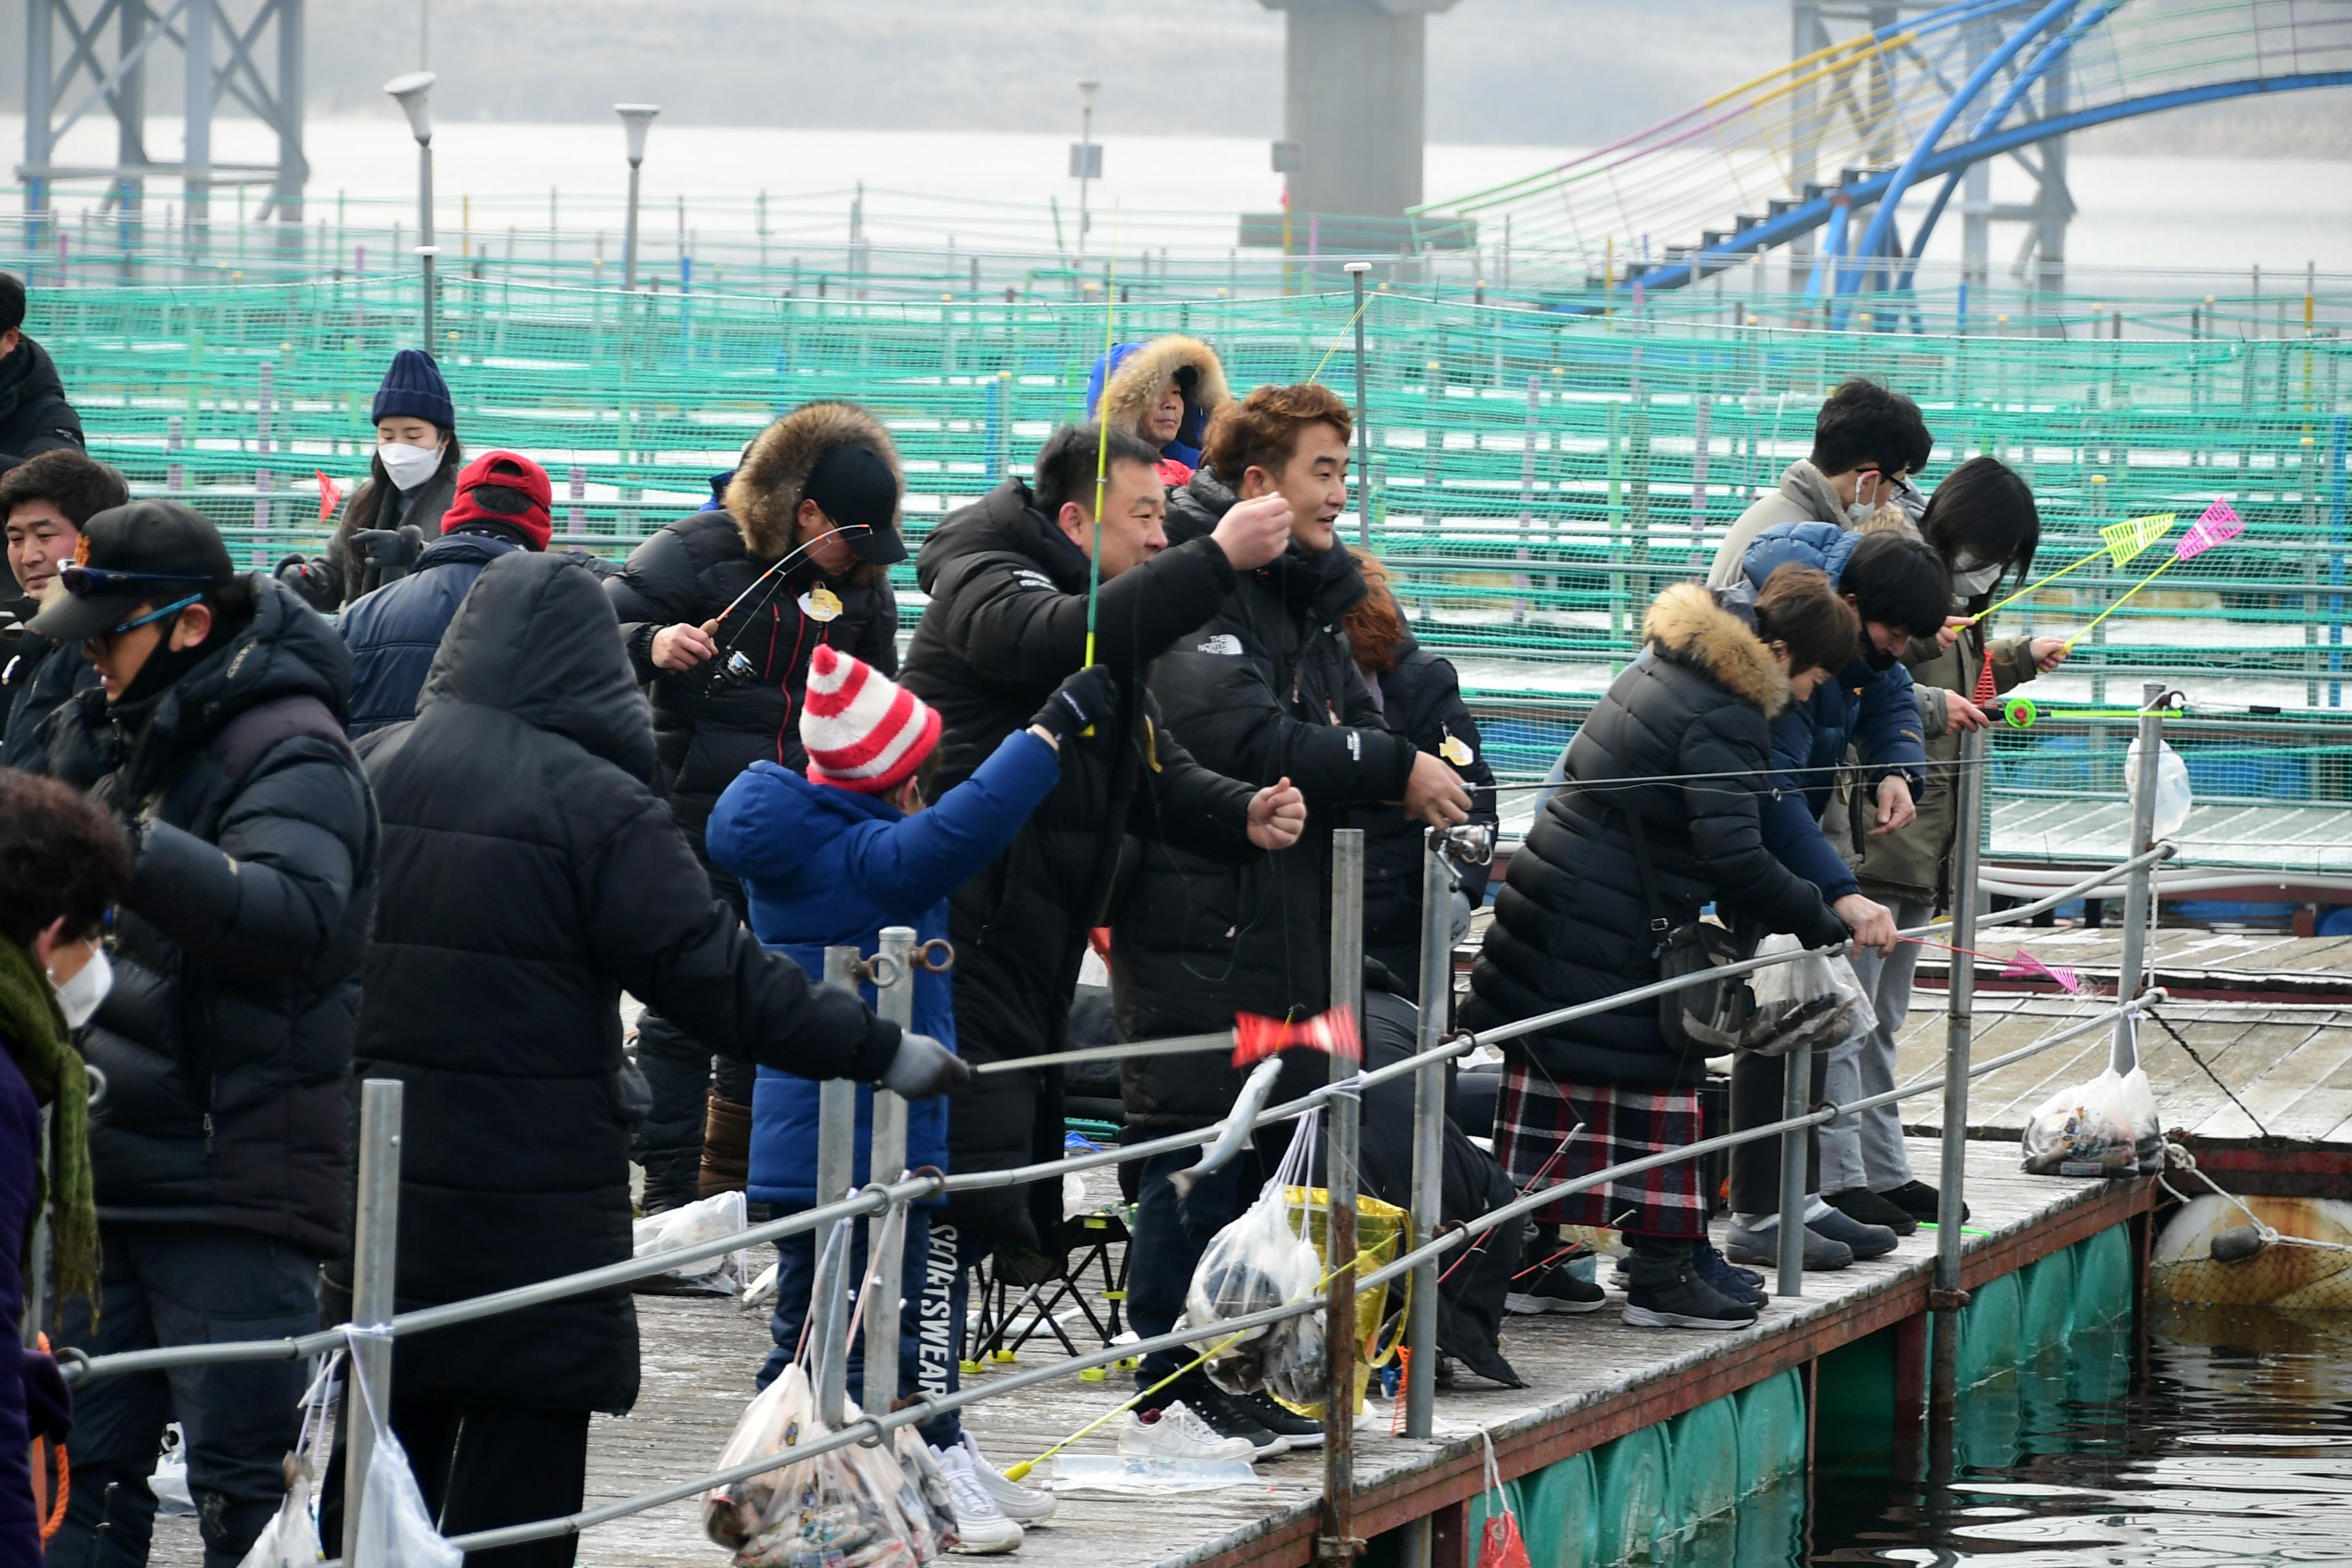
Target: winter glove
(923, 1068)
(309, 578)
(1088, 698)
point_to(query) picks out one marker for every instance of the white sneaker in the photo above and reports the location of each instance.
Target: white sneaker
(1176, 1432)
(981, 1528)
(1019, 1503)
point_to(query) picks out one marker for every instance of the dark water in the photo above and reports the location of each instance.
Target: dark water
(2225, 1440)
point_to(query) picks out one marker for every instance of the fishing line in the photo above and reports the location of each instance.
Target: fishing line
(719, 620)
(1102, 434)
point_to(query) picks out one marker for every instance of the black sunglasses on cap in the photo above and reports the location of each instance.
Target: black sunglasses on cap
(86, 581)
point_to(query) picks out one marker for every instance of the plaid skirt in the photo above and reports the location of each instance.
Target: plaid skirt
(1535, 1115)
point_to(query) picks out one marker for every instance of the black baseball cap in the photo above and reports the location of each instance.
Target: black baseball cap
(859, 491)
(148, 553)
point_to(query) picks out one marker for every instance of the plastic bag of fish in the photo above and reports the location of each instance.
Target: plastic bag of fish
(855, 1507)
(2106, 1126)
(1265, 1258)
(1816, 1000)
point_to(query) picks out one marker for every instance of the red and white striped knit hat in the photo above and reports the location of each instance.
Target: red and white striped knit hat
(862, 731)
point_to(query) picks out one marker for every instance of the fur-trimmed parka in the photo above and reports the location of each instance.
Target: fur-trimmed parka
(708, 727)
(1128, 381)
(1681, 742)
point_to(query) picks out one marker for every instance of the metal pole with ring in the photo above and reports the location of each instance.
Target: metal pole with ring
(836, 1149)
(376, 1250)
(894, 984)
(1337, 1543)
(2138, 891)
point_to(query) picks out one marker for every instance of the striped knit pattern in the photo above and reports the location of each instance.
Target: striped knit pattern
(862, 731)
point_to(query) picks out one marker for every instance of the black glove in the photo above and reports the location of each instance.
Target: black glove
(923, 1068)
(1089, 697)
(308, 578)
(387, 554)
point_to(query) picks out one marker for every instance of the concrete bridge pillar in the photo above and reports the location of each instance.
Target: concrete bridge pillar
(1353, 101)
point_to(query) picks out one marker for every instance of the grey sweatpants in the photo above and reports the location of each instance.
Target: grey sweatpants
(1866, 1149)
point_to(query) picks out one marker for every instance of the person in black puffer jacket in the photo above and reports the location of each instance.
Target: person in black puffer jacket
(1007, 624)
(46, 501)
(501, 507)
(1266, 692)
(1420, 698)
(530, 875)
(1678, 746)
(220, 1151)
(824, 482)
(35, 417)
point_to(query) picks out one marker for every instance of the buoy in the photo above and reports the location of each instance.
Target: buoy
(2237, 1244)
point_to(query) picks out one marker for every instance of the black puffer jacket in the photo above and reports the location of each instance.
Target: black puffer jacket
(35, 417)
(1006, 625)
(37, 678)
(1266, 689)
(710, 730)
(1421, 699)
(530, 875)
(227, 1041)
(1571, 924)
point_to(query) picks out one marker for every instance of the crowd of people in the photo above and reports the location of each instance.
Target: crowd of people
(425, 805)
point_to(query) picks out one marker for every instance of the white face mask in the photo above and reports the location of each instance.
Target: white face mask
(1969, 580)
(409, 466)
(78, 997)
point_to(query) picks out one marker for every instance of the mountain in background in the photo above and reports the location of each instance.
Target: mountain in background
(1530, 72)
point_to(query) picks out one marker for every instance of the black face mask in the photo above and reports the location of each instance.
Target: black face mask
(1877, 657)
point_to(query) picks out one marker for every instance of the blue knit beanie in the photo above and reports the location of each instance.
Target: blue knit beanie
(413, 389)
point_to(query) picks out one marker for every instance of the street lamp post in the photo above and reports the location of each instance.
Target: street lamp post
(1085, 158)
(413, 93)
(636, 119)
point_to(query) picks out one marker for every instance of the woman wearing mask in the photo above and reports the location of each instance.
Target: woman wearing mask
(412, 481)
(1574, 925)
(1982, 521)
(62, 863)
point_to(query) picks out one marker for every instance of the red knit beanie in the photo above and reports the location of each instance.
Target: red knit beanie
(862, 731)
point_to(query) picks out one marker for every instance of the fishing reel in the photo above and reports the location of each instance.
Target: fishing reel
(735, 669)
(1467, 844)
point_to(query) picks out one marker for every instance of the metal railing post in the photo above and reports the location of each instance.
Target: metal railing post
(1968, 838)
(1796, 1094)
(376, 1250)
(836, 1151)
(895, 994)
(2138, 891)
(1429, 1130)
(1337, 1543)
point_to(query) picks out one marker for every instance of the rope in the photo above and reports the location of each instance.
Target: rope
(2204, 1067)
(2271, 1235)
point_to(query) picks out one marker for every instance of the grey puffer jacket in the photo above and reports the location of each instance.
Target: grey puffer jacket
(1804, 495)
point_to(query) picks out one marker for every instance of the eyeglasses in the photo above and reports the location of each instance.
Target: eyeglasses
(87, 580)
(133, 624)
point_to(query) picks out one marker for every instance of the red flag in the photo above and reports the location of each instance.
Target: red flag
(1256, 1038)
(330, 495)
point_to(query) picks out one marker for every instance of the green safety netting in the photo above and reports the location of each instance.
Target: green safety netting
(1537, 474)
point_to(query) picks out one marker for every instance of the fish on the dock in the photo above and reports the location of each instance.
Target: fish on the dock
(1255, 1093)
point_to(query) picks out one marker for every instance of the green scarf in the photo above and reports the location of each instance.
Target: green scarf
(35, 1031)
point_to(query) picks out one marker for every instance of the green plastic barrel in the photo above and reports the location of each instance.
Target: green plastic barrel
(1634, 1481)
(2048, 1313)
(1559, 1513)
(1771, 1429)
(2098, 1363)
(1989, 1424)
(1853, 1386)
(1990, 1328)
(2103, 1277)
(1705, 1444)
(1772, 1524)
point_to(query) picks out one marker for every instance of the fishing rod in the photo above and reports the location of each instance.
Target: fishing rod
(733, 666)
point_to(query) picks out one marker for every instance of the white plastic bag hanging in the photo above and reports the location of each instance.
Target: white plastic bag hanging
(1265, 1258)
(291, 1540)
(394, 1530)
(678, 1228)
(2108, 1126)
(1815, 1000)
(2173, 798)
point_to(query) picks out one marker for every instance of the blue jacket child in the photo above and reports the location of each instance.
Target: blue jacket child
(1874, 711)
(830, 860)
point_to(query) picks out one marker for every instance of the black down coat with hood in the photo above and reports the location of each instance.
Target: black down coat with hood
(226, 1040)
(35, 417)
(1571, 924)
(708, 730)
(1006, 624)
(1266, 689)
(530, 875)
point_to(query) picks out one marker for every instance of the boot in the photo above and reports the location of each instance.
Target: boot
(672, 1179)
(726, 1148)
(1665, 1292)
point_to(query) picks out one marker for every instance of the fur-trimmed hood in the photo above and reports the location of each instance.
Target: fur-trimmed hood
(1689, 625)
(1126, 382)
(765, 490)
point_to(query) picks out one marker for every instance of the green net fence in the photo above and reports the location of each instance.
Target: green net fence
(1536, 475)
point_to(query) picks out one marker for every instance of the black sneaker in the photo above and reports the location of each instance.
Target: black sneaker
(1231, 1417)
(1554, 1290)
(1296, 1430)
(1866, 1240)
(1866, 1207)
(1668, 1293)
(1728, 1279)
(1919, 1200)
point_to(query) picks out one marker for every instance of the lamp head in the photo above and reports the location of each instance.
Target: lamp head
(1086, 93)
(636, 119)
(413, 91)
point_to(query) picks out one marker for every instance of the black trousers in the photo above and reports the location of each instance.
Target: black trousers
(481, 1466)
(1757, 1085)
